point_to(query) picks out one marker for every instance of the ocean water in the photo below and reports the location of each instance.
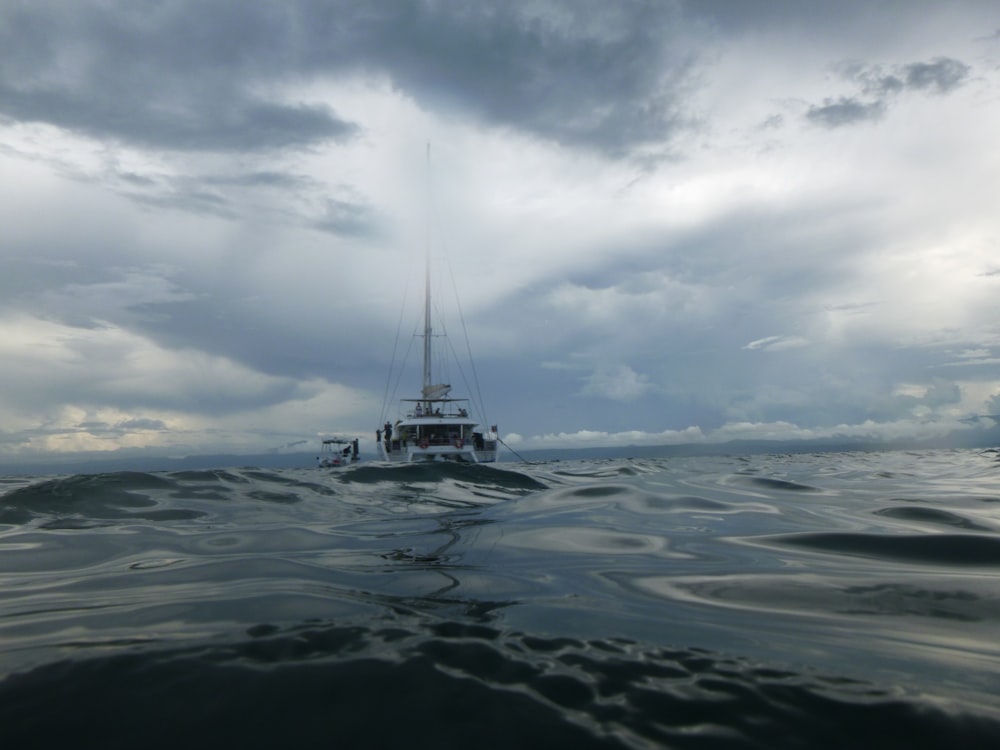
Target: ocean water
(792, 601)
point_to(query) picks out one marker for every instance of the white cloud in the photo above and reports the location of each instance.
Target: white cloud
(868, 431)
(103, 388)
(600, 438)
(620, 383)
(212, 249)
(777, 343)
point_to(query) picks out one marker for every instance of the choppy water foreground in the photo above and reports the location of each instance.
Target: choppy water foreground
(834, 600)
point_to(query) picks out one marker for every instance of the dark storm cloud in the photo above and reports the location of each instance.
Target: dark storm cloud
(120, 428)
(142, 424)
(177, 76)
(245, 330)
(591, 74)
(845, 111)
(216, 194)
(347, 219)
(233, 123)
(940, 75)
(279, 180)
(734, 16)
(193, 200)
(190, 76)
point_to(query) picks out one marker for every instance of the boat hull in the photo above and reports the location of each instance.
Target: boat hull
(398, 453)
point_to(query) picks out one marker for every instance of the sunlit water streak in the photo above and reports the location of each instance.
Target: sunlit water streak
(826, 600)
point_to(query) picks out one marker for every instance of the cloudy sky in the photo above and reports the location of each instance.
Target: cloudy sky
(670, 221)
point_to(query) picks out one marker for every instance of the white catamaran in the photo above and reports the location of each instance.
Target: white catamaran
(435, 426)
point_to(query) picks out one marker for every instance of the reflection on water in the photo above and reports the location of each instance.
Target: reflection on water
(763, 600)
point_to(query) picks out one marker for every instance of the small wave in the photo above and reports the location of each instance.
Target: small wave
(824, 596)
(686, 503)
(63, 492)
(784, 485)
(282, 498)
(452, 684)
(932, 516)
(85, 497)
(905, 599)
(607, 469)
(939, 549)
(436, 472)
(209, 475)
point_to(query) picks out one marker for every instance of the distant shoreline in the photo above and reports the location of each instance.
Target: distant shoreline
(98, 463)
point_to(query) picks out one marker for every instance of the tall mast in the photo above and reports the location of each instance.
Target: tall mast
(427, 282)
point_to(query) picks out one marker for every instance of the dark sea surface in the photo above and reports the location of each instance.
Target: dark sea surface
(794, 601)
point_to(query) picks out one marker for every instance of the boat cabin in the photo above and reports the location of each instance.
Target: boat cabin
(436, 428)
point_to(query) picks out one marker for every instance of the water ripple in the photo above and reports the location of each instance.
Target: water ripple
(819, 600)
(452, 684)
